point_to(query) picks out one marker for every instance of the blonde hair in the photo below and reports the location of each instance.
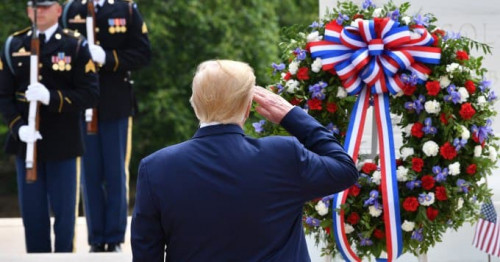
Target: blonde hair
(222, 90)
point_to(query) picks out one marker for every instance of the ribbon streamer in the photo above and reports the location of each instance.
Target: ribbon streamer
(369, 59)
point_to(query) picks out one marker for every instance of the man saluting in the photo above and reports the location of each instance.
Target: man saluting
(67, 85)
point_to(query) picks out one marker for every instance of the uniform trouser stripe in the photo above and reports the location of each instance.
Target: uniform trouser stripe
(77, 197)
(128, 154)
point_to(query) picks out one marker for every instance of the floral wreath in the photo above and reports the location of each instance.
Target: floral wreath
(406, 198)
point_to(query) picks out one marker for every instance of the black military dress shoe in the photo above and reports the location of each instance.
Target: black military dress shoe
(114, 247)
(97, 248)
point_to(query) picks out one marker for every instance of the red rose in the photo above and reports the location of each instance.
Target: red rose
(432, 213)
(327, 230)
(399, 162)
(433, 88)
(379, 234)
(448, 151)
(368, 167)
(353, 218)
(303, 73)
(441, 193)
(416, 130)
(462, 55)
(417, 164)
(443, 118)
(287, 76)
(354, 191)
(331, 107)
(295, 101)
(467, 111)
(409, 89)
(470, 86)
(427, 182)
(314, 104)
(410, 204)
(471, 169)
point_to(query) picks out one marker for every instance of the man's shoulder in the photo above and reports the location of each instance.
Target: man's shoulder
(167, 153)
(21, 34)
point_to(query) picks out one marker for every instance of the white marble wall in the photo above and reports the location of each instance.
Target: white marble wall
(480, 20)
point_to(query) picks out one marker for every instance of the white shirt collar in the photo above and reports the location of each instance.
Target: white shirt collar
(49, 32)
(202, 125)
(99, 2)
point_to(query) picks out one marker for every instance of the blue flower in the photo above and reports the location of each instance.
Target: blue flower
(333, 128)
(278, 68)
(315, 24)
(367, 4)
(451, 36)
(459, 143)
(411, 80)
(453, 95)
(373, 199)
(441, 174)
(259, 126)
(317, 90)
(365, 241)
(421, 20)
(417, 235)
(313, 221)
(413, 184)
(484, 84)
(463, 185)
(301, 54)
(483, 132)
(492, 96)
(428, 128)
(394, 15)
(280, 88)
(416, 105)
(342, 18)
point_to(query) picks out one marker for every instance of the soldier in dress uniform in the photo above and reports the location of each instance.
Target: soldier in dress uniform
(121, 46)
(67, 85)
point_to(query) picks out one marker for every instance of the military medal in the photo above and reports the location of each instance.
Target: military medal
(117, 25)
(111, 23)
(61, 62)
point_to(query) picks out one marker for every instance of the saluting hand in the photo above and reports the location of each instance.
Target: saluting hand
(271, 106)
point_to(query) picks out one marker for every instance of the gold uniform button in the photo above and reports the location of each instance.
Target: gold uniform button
(39, 78)
(97, 29)
(20, 64)
(97, 42)
(58, 36)
(40, 65)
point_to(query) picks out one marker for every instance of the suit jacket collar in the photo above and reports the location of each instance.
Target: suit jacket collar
(219, 130)
(53, 44)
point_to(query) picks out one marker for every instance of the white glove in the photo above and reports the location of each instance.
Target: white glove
(28, 135)
(38, 92)
(98, 54)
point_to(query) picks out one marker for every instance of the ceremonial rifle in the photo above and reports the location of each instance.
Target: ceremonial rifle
(91, 113)
(34, 106)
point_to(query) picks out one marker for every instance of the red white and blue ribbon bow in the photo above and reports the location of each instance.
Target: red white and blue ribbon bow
(369, 59)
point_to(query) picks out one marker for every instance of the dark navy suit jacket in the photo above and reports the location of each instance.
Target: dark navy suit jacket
(224, 196)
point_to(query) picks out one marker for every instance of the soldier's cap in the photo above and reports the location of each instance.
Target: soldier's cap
(43, 2)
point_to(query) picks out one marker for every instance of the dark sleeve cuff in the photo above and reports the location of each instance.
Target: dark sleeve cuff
(294, 120)
(56, 101)
(14, 126)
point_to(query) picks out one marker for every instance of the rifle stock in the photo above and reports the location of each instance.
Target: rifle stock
(33, 113)
(91, 113)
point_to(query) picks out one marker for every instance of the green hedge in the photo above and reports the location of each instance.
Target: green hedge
(183, 34)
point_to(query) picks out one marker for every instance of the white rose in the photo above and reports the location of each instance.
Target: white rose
(348, 228)
(454, 169)
(313, 37)
(493, 154)
(464, 94)
(429, 201)
(444, 81)
(376, 177)
(321, 208)
(377, 12)
(402, 174)
(292, 86)
(408, 226)
(478, 150)
(293, 67)
(481, 101)
(374, 212)
(341, 93)
(465, 132)
(430, 148)
(406, 152)
(432, 107)
(406, 20)
(316, 65)
(460, 203)
(452, 67)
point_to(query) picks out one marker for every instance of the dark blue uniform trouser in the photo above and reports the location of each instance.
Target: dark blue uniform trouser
(54, 190)
(105, 181)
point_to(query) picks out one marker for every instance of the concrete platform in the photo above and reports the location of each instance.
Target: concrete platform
(12, 247)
